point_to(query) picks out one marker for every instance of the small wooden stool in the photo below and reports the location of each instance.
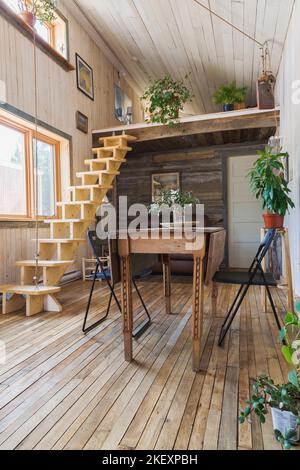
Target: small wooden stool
(288, 277)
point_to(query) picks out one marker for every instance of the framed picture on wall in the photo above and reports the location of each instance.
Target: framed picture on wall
(82, 122)
(123, 106)
(164, 182)
(85, 78)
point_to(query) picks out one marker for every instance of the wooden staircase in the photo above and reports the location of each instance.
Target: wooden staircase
(66, 234)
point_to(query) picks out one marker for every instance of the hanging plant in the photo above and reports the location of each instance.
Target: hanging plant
(41, 10)
(165, 98)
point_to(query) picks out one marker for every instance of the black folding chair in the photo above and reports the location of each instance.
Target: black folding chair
(254, 277)
(111, 277)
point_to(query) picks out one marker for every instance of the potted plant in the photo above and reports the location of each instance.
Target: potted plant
(33, 10)
(165, 98)
(240, 98)
(176, 199)
(269, 184)
(283, 400)
(230, 97)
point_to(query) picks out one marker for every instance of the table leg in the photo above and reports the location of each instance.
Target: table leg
(127, 306)
(198, 307)
(167, 282)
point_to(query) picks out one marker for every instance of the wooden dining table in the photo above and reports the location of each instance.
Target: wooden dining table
(165, 242)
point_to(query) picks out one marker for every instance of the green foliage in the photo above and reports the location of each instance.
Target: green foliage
(285, 397)
(43, 10)
(172, 197)
(230, 94)
(269, 184)
(165, 98)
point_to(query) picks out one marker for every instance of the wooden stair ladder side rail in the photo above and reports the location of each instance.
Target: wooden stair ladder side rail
(57, 253)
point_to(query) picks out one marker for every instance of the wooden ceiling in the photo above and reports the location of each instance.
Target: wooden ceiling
(154, 37)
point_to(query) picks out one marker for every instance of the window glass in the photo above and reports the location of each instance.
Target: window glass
(45, 172)
(12, 172)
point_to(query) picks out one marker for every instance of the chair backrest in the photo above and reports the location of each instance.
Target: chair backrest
(216, 254)
(264, 247)
(96, 243)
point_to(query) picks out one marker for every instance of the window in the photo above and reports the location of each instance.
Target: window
(12, 172)
(44, 177)
(21, 174)
(54, 33)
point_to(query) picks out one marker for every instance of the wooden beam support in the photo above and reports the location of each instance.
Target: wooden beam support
(202, 124)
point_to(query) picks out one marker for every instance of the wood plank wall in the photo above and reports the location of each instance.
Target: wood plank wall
(287, 85)
(58, 101)
(204, 177)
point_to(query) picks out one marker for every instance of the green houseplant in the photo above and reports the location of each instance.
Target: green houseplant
(231, 97)
(32, 10)
(176, 198)
(165, 98)
(269, 184)
(283, 400)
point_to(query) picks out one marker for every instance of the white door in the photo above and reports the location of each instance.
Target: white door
(244, 213)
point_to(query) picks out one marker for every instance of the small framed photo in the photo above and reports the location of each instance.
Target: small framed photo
(82, 122)
(85, 77)
(164, 182)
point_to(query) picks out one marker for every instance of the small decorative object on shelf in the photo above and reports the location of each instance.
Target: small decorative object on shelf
(33, 10)
(266, 82)
(231, 97)
(283, 400)
(165, 98)
(267, 180)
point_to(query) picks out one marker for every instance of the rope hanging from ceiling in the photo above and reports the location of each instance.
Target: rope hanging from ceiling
(35, 165)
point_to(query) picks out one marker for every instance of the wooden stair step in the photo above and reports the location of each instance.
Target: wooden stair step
(64, 221)
(129, 138)
(97, 172)
(104, 160)
(111, 149)
(44, 264)
(28, 290)
(61, 240)
(90, 186)
(76, 203)
(38, 299)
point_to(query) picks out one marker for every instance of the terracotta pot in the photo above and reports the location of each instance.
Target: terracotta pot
(273, 220)
(28, 18)
(239, 106)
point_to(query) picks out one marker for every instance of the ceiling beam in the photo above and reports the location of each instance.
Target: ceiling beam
(202, 124)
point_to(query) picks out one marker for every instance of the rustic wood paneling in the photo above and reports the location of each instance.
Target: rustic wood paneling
(203, 177)
(58, 101)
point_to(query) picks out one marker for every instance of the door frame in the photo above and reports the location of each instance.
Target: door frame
(226, 154)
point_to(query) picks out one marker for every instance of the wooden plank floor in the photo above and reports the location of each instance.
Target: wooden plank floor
(60, 389)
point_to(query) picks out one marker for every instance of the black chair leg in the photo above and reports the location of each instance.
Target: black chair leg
(141, 330)
(273, 308)
(232, 313)
(112, 295)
